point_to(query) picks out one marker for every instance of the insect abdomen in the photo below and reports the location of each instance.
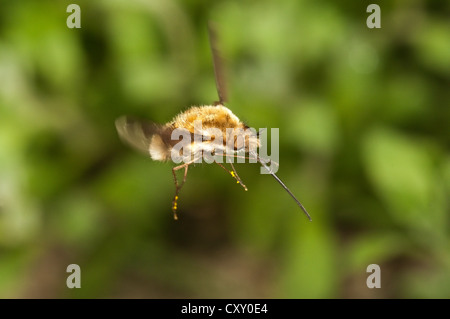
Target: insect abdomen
(159, 151)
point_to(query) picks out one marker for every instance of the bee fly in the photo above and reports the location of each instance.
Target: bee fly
(157, 140)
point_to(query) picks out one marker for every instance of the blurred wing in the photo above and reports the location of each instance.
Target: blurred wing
(218, 65)
(137, 133)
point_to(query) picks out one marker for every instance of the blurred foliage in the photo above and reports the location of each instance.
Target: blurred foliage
(364, 117)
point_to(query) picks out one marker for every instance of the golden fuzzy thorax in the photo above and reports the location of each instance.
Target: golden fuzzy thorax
(210, 116)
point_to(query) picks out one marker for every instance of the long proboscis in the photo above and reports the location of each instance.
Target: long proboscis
(282, 184)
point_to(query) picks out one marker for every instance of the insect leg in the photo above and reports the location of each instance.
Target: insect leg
(234, 174)
(250, 157)
(178, 187)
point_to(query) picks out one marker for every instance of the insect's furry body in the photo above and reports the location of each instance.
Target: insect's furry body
(203, 125)
(211, 116)
(201, 122)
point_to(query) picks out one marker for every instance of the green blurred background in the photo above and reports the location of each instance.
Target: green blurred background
(364, 120)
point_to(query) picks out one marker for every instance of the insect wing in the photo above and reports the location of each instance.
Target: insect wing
(218, 65)
(137, 133)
